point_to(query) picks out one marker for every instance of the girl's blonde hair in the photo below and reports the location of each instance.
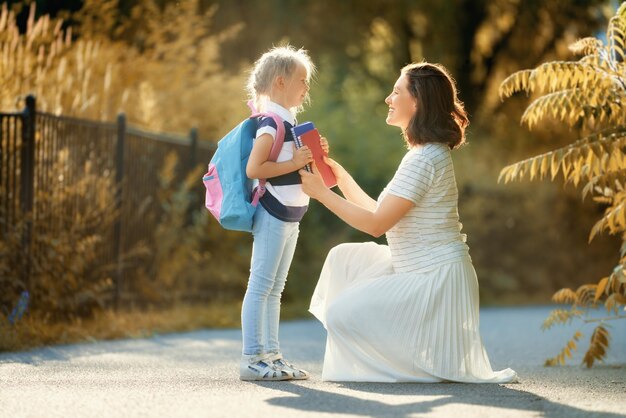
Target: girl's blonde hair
(278, 61)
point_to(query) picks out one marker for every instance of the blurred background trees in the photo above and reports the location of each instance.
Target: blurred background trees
(172, 64)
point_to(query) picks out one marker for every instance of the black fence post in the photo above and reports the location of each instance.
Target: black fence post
(193, 151)
(193, 159)
(27, 186)
(117, 231)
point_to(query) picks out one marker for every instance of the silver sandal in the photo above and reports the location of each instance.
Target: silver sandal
(281, 364)
(259, 367)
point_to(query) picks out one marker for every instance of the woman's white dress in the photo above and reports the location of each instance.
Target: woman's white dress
(407, 312)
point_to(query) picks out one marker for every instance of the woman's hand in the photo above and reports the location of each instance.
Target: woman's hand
(302, 156)
(339, 172)
(312, 183)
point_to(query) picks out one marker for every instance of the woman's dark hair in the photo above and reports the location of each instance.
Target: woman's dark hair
(440, 115)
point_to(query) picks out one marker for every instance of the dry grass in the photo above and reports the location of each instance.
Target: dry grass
(163, 68)
(36, 331)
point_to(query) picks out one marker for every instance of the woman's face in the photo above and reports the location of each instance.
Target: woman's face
(402, 105)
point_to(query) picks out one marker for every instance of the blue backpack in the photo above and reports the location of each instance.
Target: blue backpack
(229, 194)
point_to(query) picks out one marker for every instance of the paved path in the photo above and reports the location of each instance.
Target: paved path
(195, 374)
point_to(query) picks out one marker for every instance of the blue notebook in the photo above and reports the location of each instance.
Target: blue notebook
(297, 132)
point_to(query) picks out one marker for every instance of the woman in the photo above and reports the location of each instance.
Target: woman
(406, 312)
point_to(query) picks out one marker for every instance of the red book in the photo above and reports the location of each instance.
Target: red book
(306, 134)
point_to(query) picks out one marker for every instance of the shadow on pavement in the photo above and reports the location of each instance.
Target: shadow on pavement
(484, 395)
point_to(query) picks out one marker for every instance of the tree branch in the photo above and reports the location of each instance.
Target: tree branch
(608, 318)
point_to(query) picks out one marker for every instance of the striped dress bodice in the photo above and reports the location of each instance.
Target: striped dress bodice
(429, 235)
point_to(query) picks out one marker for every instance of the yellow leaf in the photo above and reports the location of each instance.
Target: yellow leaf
(564, 296)
(515, 82)
(554, 165)
(597, 228)
(621, 215)
(601, 287)
(568, 352)
(609, 304)
(533, 168)
(545, 163)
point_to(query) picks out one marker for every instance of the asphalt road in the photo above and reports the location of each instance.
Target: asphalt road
(195, 374)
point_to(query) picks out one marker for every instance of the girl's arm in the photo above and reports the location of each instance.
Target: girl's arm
(260, 168)
(374, 222)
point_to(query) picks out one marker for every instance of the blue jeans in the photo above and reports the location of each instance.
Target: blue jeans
(272, 252)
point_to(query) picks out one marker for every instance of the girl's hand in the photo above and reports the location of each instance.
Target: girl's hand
(325, 146)
(312, 183)
(302, 156)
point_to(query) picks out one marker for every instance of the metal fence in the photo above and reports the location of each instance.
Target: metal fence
(41, 155)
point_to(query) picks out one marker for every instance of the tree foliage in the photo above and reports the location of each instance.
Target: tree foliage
(159, 65)
(588, 95)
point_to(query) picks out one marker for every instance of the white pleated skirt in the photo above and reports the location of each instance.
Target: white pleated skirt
(384, 326)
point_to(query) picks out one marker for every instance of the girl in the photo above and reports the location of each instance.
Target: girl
(406, 312)
(279, 83)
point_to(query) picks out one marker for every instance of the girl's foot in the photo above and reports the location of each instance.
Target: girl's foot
(260, 367)
(282, 364)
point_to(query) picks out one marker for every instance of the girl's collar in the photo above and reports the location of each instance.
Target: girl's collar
(285, 114)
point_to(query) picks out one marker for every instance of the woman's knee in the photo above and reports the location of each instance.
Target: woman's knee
(341, 251)
(338, 317)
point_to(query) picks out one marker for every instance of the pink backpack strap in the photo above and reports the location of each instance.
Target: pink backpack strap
(276, 147)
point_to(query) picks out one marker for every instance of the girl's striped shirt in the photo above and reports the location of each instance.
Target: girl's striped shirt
(283, 198)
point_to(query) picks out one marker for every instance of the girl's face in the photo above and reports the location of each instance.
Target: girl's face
(296, 87)
(402, 105)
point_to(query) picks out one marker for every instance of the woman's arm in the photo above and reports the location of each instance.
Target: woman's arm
(259, 166)
(349, 187)
(374, 222)
(353, 193)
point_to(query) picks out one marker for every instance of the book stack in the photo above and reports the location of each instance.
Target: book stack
(307, 134)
